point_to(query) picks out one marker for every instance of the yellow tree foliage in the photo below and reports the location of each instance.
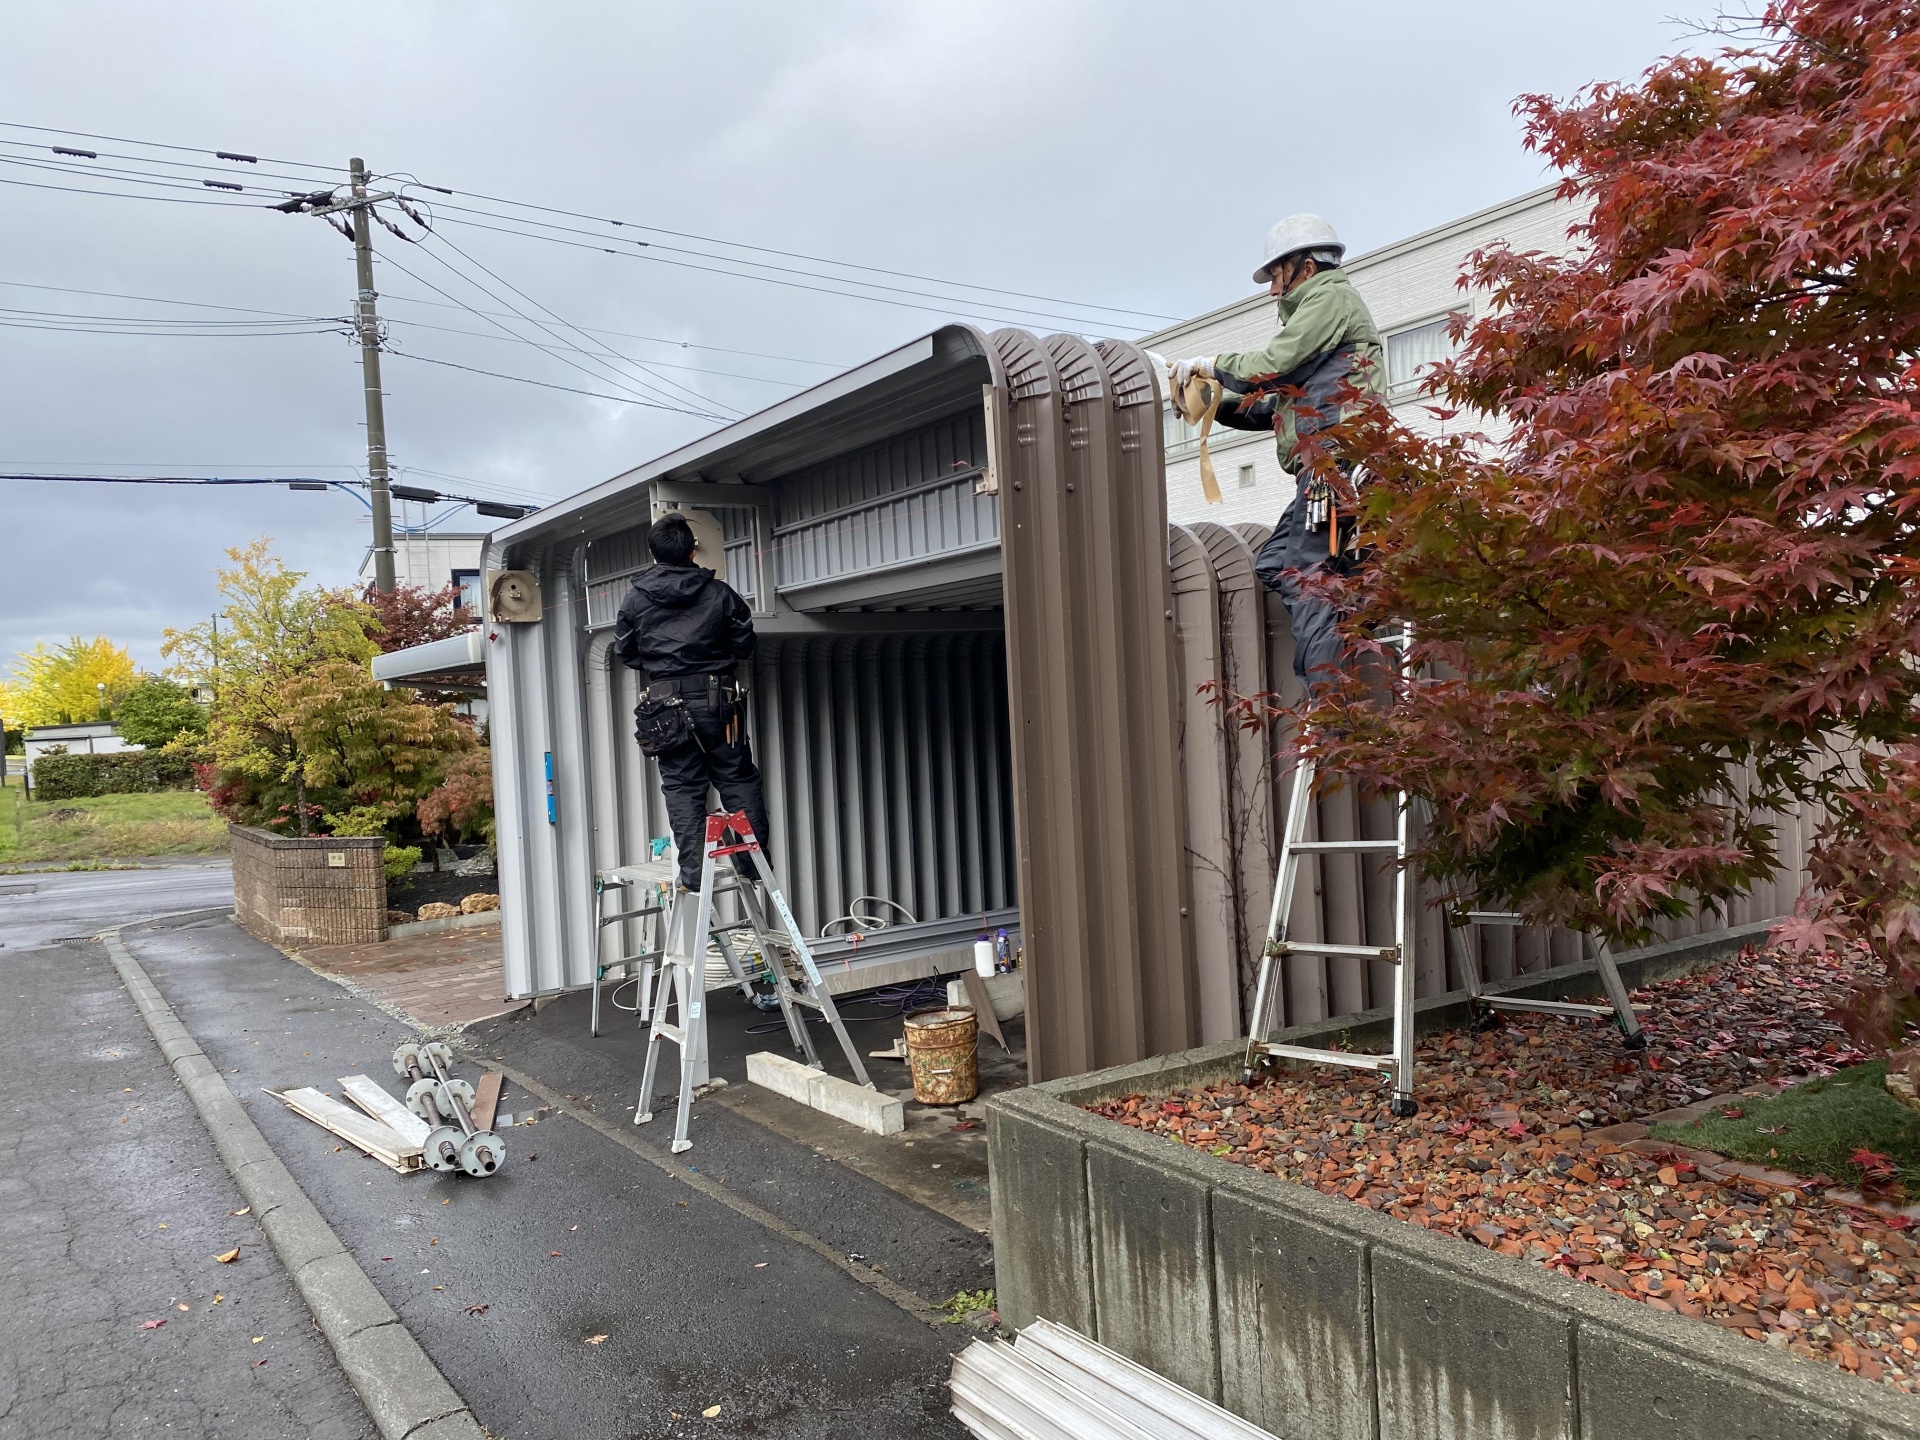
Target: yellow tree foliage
(63, 686)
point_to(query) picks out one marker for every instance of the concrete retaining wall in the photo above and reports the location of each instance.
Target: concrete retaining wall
(295, 892)
(1322, 1320)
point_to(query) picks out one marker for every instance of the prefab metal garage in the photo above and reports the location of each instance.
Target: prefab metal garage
(977, 697)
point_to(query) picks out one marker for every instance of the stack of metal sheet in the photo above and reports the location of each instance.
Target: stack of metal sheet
(1053, 1384)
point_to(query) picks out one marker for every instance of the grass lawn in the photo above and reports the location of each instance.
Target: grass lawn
(1814, 1129)
(108, 827)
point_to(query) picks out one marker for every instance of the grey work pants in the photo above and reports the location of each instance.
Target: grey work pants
(1291, 553)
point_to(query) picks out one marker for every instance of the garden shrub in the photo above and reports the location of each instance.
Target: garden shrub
(60, 776)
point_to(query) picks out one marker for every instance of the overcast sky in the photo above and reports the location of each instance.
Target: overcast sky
(1099, 153)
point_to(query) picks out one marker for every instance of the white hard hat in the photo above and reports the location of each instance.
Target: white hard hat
(1294, 234)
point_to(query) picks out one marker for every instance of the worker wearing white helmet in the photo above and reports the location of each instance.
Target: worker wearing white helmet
(1328, 346)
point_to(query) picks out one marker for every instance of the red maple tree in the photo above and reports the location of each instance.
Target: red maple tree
(414, 615)
(1680, 592)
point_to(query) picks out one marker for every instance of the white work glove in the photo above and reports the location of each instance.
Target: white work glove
(1185, 370)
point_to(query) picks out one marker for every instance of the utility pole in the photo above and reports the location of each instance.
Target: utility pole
(368, 324)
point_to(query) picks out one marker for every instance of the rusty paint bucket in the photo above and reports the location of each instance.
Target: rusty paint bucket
(940, 1052)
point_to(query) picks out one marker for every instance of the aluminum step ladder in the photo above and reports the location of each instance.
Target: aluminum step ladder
(1619, 1006)
(682, 968)
(1397, 1064)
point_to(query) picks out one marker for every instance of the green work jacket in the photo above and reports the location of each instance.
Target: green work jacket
(1328, 340)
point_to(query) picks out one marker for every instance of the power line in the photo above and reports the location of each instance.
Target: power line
(625, 384)
(948, 302)
(691, 394)
(551, 349)
(404, 178)
(130, 195)
(231, 155)
(181, 480)
(548, 385)
(794, 254)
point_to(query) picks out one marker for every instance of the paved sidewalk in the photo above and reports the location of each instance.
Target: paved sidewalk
(113, 1205)
(699, 1304)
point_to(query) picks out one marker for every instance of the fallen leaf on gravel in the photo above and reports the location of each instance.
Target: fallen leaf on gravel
(554, 1254)
(573, 1227)
(446, 1202)
(710, 1411)
(229, 1257)
(256, 1339)
(218, 1297)
(256, 1364)
(183, 1307)
(1733, 1112)
(243, 1210)
(477, 1309)
(760, 1265)
(151, 1324)
(596, 1339)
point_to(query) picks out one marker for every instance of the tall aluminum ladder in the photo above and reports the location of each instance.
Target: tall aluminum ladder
(1397, 1064)
(682, 980)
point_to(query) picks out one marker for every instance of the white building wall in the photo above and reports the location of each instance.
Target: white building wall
(1406, 285)
(429, 560)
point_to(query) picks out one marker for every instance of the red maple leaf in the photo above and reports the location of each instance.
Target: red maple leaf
(1873, 1165)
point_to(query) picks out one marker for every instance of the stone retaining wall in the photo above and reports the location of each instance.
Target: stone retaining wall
(296, 892)
(1322, 1320)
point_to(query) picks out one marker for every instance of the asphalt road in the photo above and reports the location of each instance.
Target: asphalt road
(508, 1281)
(113, 1206)
(38, 907)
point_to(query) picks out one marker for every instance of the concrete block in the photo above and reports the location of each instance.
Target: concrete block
(1037, 1175)
(1630, 1387)
(1153, 1266)
(1296, 1338)
(342, 1298)
(829, 1094)
(1008, 993)
(855, 1104)
(300, 1235)
(1458, 1353)
(779, 1074)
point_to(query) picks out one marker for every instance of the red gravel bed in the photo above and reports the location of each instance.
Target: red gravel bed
(1523, 1144)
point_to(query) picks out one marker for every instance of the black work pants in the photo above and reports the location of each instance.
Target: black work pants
(1292, 553)
(710, 760)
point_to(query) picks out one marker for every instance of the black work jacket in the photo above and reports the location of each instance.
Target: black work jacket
(680, 620)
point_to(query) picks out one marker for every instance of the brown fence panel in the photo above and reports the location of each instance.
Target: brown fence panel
(1088, 600)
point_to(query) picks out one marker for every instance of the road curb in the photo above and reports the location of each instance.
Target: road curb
(402, 1388)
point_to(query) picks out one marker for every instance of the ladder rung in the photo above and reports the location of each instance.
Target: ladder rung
(1389, 953)
(606, 920)
(1334, 847)
(1556, 1007)
(1325, 1057)
(672, 1032)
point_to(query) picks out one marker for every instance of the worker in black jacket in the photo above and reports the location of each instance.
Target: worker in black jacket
(685, 630)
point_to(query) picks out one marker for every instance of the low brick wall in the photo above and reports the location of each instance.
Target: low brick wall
(1322, 1320)
(320, 890)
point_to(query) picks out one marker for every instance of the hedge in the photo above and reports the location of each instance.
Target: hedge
(124, 772)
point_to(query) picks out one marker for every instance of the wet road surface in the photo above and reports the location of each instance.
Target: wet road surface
(113, 1205)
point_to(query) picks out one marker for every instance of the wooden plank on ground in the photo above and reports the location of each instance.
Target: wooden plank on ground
(371, 1096)
(486, 1099)
(366, 1133)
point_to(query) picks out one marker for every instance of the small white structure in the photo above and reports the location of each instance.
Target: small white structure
(96, 738)
(1410, 288)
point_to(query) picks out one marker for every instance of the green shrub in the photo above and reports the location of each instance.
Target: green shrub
(60, 776)
(400, 860)
(156, 711)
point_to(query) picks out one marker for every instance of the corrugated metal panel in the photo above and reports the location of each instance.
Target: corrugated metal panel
(907, 500)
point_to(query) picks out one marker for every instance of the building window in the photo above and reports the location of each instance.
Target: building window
(469, 583)
(1178, 432)
(1246, 477)
(1413, 351)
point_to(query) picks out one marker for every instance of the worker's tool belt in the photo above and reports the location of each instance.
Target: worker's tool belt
(661, 721)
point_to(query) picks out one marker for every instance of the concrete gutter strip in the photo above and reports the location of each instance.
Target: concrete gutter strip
(404, 1391)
